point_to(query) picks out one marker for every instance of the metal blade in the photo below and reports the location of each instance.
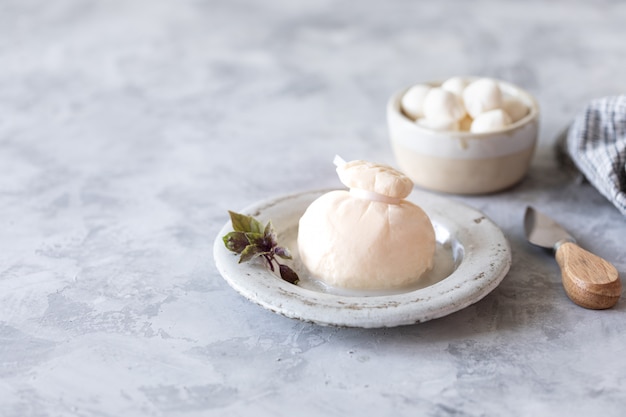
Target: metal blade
(542, 231)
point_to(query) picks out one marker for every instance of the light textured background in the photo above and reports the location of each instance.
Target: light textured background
(129, 127)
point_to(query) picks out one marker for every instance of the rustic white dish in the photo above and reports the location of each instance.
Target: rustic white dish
(473, 256)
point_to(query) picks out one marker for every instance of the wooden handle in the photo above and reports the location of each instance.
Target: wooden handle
(589, 280)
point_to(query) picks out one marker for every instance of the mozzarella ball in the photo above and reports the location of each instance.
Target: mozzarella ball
(412, 101)
(455, 85)
(490, 121)
(481, 96)
(515, 108)
(440, 104)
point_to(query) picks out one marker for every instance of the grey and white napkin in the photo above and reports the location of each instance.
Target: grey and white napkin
(596, 144)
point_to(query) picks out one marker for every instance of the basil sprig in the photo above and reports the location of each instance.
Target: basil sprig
(251, 240)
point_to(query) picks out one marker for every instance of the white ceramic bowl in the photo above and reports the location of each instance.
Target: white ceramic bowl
(462, 162)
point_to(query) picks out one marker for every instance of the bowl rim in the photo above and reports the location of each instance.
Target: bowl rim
(529, 99)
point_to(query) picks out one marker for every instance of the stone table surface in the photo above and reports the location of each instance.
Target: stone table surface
(128, 128)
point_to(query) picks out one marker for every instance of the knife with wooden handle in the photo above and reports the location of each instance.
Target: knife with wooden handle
(589, 280)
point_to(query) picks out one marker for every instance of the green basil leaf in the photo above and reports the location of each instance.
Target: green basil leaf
(250, 252)
(236, 241)
(243, 223)
(255, 239)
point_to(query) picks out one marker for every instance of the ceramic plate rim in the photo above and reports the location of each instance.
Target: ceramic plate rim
(486, 260)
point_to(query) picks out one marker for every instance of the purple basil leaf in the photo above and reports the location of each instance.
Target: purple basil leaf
(282, 252)
(288, 274)
(270, 235)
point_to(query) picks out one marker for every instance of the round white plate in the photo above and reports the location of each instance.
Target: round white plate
(472, 258)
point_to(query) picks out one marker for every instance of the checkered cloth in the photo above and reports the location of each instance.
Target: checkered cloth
(596, 144)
